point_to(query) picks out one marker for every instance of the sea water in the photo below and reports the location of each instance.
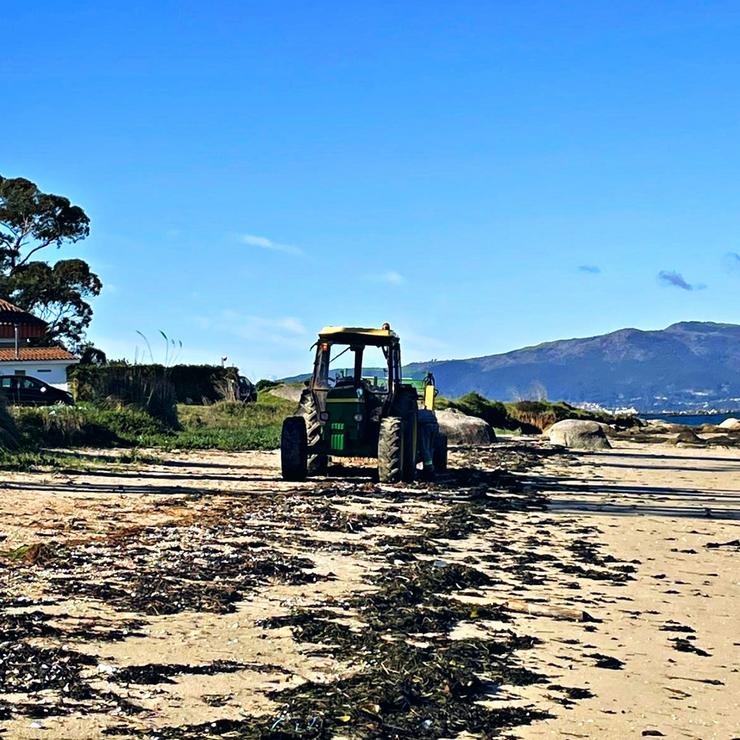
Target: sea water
(694, 420)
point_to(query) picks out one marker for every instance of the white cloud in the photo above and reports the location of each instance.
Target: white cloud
(291, 325)
(390, 278)
(262, 242)
(394, 278)
(280, 330)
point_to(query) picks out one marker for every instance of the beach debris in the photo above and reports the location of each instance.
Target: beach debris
(709, 681)
(548, 610)
(684, 645)
(37, 552)
(607, 661)
(571, 694)
(732, 544)
(672, 626)
(155, 673)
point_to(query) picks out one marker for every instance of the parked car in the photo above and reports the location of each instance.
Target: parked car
(247, 391)
(23, 390)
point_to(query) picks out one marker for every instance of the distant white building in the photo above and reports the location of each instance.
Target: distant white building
(17, 357)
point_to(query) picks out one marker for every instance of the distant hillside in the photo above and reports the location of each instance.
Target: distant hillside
(688, 365)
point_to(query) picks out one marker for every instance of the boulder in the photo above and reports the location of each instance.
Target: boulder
(689, 437)
(579, 435)
(288, 392)
(462, 429)
(731, 424)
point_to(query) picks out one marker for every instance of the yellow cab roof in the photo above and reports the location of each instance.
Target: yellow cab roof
(352, 334)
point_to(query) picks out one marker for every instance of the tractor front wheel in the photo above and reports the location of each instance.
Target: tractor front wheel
(390, 450)
(294, 449)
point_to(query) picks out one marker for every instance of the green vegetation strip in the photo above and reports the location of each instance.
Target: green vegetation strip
(27, 433)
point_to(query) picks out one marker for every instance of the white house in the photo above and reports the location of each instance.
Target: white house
(18, 357)
(45, 363)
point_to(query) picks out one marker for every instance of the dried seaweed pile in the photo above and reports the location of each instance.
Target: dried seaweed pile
(60, 673)
(166, 570)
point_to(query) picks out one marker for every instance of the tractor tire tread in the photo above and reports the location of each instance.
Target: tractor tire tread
(390, 450)
(317, 461)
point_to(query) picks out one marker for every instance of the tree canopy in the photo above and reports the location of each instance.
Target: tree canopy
(59, 293)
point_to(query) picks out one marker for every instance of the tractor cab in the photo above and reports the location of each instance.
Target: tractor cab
(352, 401)
(349, 405)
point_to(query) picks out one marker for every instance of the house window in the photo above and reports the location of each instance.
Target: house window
(44, 370)
(20, 372)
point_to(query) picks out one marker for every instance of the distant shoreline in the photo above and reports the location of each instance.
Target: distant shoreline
(691, 418)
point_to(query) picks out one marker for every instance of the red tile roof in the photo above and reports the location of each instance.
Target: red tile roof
(7, 354)
(15, 321)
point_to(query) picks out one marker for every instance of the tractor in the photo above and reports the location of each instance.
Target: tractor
(363, 413)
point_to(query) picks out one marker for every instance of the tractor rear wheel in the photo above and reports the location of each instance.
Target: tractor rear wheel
(294, 449)
(317, 461)
(390, 450)
(410, 443)
(406, 407)
(440, 453)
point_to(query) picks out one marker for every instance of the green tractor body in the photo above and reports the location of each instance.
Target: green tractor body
(351, 414)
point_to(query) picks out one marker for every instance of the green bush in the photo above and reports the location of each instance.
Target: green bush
(473, 404)
(189, 383)
(265, 385)
(226, 425)
(231, 440)
(542, 414)
(117, 386)
(82, 426)
(9, 436)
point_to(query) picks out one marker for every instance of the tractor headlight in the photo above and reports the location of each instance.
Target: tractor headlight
(358, 417)
(324, 416)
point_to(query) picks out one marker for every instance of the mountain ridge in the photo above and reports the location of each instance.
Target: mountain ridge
(689, 364)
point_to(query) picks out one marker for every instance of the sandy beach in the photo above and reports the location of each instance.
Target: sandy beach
(578, 594)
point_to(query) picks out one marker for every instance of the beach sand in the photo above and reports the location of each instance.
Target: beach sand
(636, 537)
(666, 507)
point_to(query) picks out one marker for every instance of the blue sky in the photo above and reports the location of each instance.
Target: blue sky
(483, 175)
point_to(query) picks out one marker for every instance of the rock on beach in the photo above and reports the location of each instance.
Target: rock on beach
(578, 435)
(462, 429)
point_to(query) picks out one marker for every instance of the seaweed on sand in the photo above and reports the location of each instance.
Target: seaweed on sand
(407, 690)
(154, 673)
(27, 669)
(429, 687)
(162, 573)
